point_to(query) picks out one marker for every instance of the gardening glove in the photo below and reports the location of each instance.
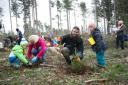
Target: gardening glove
(34, 59)
(76, 59)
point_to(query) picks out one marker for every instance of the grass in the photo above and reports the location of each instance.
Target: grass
(117, 71)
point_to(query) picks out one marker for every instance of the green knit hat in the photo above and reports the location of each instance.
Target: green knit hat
(23, 42)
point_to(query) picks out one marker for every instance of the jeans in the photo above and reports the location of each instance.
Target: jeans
(35, 51)
(100, 58)
(120, 42)
(13, 60)
(67, 52)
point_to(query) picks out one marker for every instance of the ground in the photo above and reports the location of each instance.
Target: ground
(62, 74)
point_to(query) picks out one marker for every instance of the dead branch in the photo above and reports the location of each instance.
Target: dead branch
(2, 60)
(96, 80)
(8, 79)
(47, 65)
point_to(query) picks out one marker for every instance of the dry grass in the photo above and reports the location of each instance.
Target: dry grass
(63, 74)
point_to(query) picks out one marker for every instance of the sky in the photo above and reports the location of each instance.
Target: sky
(43, 15)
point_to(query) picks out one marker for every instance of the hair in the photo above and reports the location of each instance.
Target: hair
(33, 38)
(77, 28)
(17, 29)
(92, 25)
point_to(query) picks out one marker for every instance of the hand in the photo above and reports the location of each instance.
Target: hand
(34, 60)
(76, 59)
(119, 27)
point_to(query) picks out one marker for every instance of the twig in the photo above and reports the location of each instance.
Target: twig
(4, 59)
(96, 80)
(47, 65)
(8, 79)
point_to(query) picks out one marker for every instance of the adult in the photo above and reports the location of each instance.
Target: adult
(37, 48)
(120, 34)
(19, 36)
(73, 44)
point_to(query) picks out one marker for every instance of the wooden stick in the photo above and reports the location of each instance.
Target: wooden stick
(4, 59)
(95, 80)
(47, 65)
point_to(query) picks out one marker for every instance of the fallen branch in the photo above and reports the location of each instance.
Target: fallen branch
(96, 80)
(8, 79)
(47, 65)
(4, 59)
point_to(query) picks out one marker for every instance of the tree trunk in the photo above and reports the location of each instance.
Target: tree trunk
(50, 14)
(29, 18)
(26, 30)
(33, 15)
(83, 25)
(105, 26)
(10, 16)
(75, 16)
(16, 17)
(36, 14)
(96, 17)
(16, 21)
(67, 20)
(61, 24)
(108, 27)
(58, 21)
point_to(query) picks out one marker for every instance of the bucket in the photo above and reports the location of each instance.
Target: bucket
(91, 41)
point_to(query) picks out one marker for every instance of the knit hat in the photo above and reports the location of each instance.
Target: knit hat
(23, 42)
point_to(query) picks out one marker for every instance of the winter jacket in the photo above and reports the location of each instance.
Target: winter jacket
(73, 43)
(40, 43)
(99, 45)
(19, 53)
(20, 36)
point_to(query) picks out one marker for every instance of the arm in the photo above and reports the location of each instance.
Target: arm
(121, 28)
(29, 51)
(80, 46)
(21, 57)
(43, 48)
(98, 39)
(18, 51)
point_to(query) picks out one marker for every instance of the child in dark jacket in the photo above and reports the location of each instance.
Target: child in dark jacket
(99, 46)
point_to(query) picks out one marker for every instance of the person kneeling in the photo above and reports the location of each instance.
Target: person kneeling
(17, 55)
(37, 48)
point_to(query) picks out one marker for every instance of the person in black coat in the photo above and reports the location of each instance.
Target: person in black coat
(120, 34)
(19, 36)
(73, 44)
(99, 47)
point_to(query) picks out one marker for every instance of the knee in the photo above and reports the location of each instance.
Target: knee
(80, 54)
(34, 51)
(65, 51)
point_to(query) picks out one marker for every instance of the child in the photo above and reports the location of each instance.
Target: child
(17, 54)
(37, 47)
(99, 46)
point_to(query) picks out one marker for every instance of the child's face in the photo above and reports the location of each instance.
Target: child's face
(24, 46)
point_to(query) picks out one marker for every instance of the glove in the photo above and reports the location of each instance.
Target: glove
(76, 59)
(34, 60)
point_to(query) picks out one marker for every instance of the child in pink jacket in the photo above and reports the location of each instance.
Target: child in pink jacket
(37, 48)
